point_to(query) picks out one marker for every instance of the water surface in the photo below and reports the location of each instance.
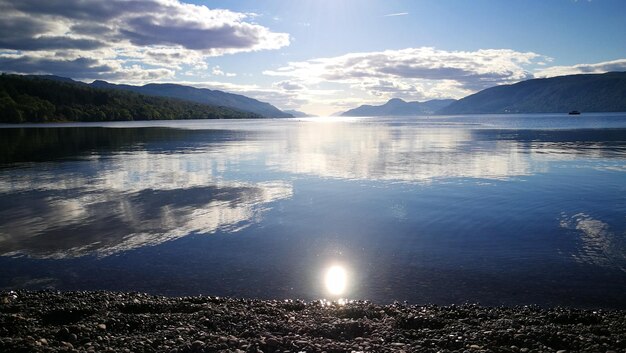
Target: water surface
(517, 209)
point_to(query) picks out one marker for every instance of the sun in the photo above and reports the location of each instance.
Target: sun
(336, 280)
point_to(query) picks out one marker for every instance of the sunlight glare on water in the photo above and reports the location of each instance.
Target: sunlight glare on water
(336, 280)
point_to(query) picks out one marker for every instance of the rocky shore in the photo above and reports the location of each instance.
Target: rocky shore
(132, 322)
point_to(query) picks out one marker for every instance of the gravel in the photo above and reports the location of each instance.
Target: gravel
(47, 321)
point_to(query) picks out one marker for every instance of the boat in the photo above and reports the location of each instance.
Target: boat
(574, 112)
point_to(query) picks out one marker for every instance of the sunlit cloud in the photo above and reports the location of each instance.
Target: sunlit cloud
(597, 68)
(289, 86)
(217, 71)
(82, 39)
(470, 70)
(413, 73)
(396, 14)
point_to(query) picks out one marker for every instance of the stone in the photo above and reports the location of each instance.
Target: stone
(272, 342)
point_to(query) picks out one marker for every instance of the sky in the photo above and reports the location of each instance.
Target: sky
(316, 56)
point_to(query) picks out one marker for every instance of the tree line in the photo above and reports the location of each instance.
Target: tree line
(28, 99)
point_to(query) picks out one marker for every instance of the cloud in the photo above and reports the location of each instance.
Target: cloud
(154, 34)
(289, 86)
(85, 10)
(601, 67)
(217, 71)
(82, 67)
(396, 14)
(414, 73)
(215, 39)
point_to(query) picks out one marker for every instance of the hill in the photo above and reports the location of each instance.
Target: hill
(297, 113)
(398, 106)
(586, 93)
(45, 99)
(200, 95)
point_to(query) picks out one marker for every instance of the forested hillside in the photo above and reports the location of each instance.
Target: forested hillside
(32, 99)
(587, 93)
(200, 95)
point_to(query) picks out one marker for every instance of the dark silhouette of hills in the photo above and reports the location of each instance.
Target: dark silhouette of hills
(200, 95)
(586, 93)
(53, 98)
(397, 106)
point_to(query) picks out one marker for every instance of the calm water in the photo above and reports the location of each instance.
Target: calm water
(491, 209)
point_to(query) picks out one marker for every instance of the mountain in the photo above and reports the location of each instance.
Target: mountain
(54, 78)
(586, 93)
(296, 113)
(42, 99)
(200, 95)
(397, 106)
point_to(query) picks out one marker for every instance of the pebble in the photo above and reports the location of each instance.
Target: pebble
(209, 324)
(197, 344)
(272, 342)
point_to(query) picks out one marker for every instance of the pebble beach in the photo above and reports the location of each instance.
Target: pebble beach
(50, 321)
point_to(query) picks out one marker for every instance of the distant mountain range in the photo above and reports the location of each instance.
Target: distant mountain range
(297, 113)
(201, 95)
(397, 106)
(23, 101)
(586, 93)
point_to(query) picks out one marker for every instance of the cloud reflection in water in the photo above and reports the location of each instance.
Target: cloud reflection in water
(598, 245)
(383, 152)
(122, 202)
(151, 186)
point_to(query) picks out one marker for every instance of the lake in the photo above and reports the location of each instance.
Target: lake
(490, 209)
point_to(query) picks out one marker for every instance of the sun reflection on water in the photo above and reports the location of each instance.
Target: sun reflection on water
(336, 280)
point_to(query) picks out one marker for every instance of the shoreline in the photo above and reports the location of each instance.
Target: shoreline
(50, 321)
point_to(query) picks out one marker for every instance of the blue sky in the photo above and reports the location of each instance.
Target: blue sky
(319, 56)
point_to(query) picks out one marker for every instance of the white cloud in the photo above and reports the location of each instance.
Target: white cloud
(156, 34)
(396, 14)
(473, 70)
(413, 73)
(217, 71)
(289, 86)
(597, 68)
